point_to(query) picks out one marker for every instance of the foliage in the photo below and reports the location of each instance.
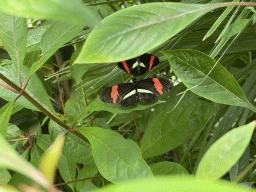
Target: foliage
(56, 60)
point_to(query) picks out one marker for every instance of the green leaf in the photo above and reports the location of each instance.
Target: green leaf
(98, 105)
(174, 184)
(98, 77)
(18, 178)
(135, 30)
(8, 188)
(225, 152)
(77, 71)
(53, 38)
(50, 159)
(67, 169)
(117, 159)
(75, 149)
(219, 20)
(168, 168)
(170, 128)
(235, 28)
(13, 131)
(36, 152)
(65, 10)
(5, 117)
(43, 141)
(66, 165)
(5, 176)
(35, 88)
(35, 37)
(193, 67)
(86, 172)
(73, 109)
(240, 165)
(13, 35)
(25, 154)
(10, 159)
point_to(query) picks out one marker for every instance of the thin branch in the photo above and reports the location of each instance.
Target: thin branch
(135, 123)
(9, 88)
(37, 105)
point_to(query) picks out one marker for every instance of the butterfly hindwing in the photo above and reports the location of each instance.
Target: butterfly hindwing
(130, 99)
(139, 65)
(150, 89)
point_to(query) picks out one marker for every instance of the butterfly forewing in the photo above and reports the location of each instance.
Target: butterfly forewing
(153, 87)
(158, 86)
(116, 93)
(149, 60)
(126, 65)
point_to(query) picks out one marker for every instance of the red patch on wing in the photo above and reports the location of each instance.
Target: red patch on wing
(114, 93)
(152, 58)
(158, 85)
(126, 66)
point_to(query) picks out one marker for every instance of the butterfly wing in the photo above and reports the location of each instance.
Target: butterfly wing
(127, 65)
(150, 89)
(149, 60)
(124, 94)
(139, 65)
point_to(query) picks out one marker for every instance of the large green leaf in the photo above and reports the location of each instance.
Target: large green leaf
(13, 35)
(117, 159)
(174, 184)
(138, 29)
(64, 10)
(53, 38)
(225, 152)
(170, 128)
(200, 75)
(35, 88)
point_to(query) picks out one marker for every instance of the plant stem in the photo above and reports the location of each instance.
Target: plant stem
(37, 105)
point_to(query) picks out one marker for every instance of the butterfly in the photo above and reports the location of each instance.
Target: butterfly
(128, 94)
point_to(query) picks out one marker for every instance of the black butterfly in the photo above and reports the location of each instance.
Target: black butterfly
(128, 94)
